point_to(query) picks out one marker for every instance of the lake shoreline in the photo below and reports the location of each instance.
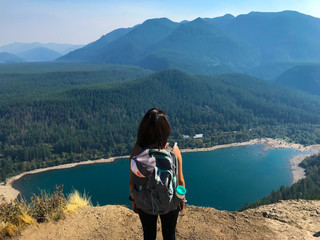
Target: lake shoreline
(8, 193)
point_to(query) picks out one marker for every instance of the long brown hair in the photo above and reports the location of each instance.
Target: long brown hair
(154, 129)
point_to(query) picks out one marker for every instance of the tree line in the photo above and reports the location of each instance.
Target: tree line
(67, 124)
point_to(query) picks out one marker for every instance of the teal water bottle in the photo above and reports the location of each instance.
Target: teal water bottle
(181, 191)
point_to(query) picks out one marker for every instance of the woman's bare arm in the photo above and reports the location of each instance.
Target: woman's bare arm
(135, 151)
(181, 181)
(177, 152)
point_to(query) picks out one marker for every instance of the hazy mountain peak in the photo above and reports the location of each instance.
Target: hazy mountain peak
(150, 24)
(210, 45)
(159, 20)
(19, 47)
(6, 57)
(228, 15)
(220, 21)
(39, 54)
(270, 15)
(198, 19)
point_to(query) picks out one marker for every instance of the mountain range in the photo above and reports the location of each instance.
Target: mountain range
(211, 45)
(263, 45)
(29, 52)
(17, 48)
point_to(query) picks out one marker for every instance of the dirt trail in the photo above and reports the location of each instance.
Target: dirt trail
(285, 220)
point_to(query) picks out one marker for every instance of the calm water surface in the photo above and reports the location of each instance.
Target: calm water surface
(223, 179)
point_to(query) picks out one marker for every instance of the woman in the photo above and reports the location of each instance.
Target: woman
(153, 132)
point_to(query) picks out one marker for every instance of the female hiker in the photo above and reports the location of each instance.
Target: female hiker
(156, 185)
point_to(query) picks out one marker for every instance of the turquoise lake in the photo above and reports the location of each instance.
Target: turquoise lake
(224, 179)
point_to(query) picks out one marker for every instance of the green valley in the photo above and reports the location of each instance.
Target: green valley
(54, 117)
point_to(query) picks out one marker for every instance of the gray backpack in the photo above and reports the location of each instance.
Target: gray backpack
(155, 192)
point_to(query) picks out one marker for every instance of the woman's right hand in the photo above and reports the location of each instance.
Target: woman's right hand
(134, 207)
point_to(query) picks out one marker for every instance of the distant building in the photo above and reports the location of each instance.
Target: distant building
(198, 136)
(186, 137)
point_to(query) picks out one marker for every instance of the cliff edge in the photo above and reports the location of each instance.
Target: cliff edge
(292, 219)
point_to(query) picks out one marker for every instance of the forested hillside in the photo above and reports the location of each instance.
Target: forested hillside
(30, 81)
(304, 77)
(74, 116)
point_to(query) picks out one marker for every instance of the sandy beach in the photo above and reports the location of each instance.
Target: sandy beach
(8, 193)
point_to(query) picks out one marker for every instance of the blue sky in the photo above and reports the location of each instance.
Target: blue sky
(84, 21)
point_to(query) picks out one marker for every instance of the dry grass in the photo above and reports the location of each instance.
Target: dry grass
(75, 201)
(48, 206)
(14, 217)
(18, 214)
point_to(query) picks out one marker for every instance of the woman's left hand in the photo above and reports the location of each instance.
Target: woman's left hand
(181, 205)
(134, 207)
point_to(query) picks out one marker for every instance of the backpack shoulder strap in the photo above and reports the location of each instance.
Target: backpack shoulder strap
(167, 150)
(171, 146)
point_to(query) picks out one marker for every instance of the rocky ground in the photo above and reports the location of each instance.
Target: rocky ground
(294, 219)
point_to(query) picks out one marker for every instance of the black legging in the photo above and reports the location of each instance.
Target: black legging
(168, 223)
